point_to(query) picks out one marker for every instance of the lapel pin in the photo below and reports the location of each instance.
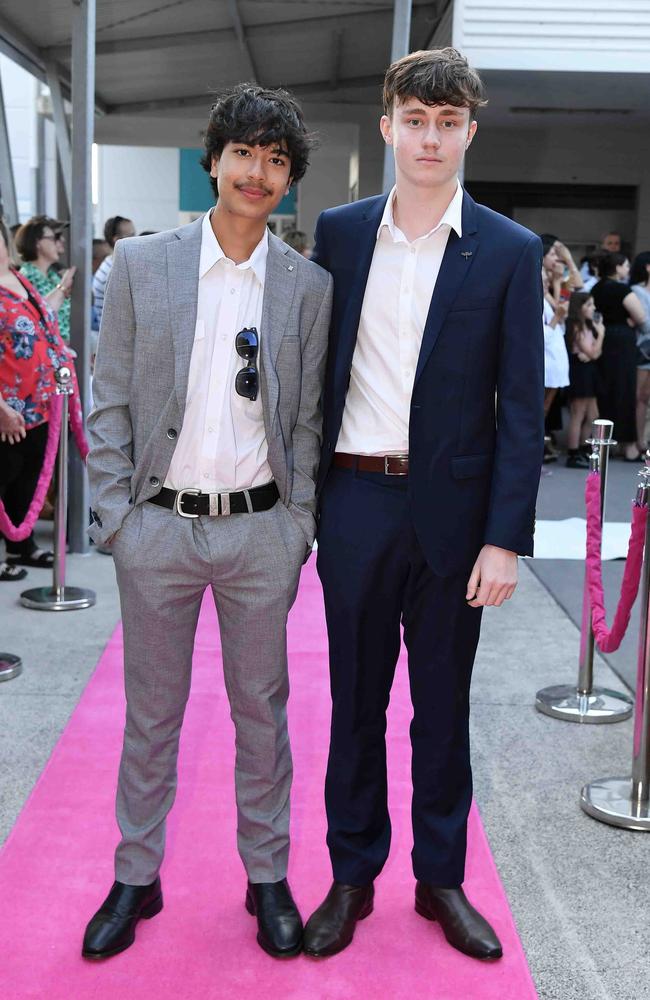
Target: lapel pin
(289, 267)
(466, 253)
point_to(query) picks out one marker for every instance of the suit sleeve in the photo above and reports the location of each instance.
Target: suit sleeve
(520, 409)
(307, 433)
(110, 461)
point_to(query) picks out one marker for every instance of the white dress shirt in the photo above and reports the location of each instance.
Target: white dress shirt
(393, 315)
(222, 443)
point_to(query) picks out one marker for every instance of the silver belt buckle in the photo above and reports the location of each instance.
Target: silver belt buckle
(179, 497)
(387, 459)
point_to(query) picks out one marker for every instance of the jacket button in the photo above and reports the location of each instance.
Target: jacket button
(154, 480)
(172, 433)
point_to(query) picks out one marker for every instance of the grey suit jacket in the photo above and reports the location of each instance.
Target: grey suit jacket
(142, 368)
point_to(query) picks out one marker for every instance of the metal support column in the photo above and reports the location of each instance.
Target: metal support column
(400, 47)
(60, 128)
(8, 204)
(83, 110)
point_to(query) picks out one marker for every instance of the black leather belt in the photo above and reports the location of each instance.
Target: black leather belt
(193, 503)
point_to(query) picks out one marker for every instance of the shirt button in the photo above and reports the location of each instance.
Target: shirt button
(232, 291)
(172, 433)
(154, 480)
(206, 475)
(211, 430)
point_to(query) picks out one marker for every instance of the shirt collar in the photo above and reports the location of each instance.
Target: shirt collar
(453, 217)
(211, 252)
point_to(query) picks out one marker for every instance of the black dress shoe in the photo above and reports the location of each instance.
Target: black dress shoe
(330, 928)
(279, 926)
(112, 929)
(463, 926)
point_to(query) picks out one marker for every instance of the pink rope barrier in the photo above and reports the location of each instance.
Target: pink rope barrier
(77, 428)
(18, 533)
(609, 640)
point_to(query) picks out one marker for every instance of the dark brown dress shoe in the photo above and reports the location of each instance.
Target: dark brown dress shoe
(330, 928)
(463, 926)
(279, 926)
(112, 929)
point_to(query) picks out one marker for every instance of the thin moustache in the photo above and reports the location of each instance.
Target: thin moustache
(252, 187)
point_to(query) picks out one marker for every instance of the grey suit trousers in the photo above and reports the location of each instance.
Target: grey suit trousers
(164, 563)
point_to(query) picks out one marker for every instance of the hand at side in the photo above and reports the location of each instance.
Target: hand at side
(493, 578)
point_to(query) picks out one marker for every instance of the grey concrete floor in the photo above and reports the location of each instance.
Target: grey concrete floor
(59, 651)
(577, 888)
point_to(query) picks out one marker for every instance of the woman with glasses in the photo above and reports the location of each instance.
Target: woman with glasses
(40, 243)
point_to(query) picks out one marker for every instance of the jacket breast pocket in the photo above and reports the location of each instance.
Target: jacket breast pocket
(471, 466)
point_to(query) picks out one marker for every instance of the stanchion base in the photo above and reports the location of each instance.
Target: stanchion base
(564, 702)
(66, 599)
(10, 666)
(610, 801)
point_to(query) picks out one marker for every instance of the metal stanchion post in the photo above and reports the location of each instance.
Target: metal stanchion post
(58, 597)
(584, 702)
(10, 666)
(624, 801)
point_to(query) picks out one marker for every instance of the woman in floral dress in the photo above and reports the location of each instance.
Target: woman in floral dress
(31, 350)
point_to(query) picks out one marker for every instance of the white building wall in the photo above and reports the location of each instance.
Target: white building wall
(20, 92)
(328, 179)
(570, 155)
(140, 183)
(577, 35)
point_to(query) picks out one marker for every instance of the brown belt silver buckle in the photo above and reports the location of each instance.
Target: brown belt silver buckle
(392, 458)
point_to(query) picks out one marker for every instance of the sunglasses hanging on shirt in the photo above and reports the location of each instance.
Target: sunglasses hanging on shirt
(247, 379)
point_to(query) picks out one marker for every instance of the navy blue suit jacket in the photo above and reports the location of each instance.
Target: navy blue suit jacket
(476, 424)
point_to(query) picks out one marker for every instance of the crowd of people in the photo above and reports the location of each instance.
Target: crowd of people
(596, 346)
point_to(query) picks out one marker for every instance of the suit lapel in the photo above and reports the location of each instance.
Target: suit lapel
(457, 262)
(279, 289)
(183, 257)
(363, 239)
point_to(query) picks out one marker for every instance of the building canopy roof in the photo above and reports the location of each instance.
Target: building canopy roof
(155, 56)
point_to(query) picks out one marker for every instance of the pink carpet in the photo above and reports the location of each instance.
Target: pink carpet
(56, 866)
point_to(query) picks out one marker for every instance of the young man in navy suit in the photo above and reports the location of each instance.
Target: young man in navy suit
(432, 449)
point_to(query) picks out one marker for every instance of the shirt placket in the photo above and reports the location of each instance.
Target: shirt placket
(405, 315)
(218, 452)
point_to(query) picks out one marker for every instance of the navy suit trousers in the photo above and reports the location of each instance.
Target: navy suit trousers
(375, 577)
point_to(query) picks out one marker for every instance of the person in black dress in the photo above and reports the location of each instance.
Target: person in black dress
(622, 311)
(585, 332)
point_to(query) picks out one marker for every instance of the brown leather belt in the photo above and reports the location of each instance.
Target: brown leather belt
(390, 465)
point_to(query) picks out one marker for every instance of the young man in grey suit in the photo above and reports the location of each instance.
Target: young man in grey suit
(205, 445)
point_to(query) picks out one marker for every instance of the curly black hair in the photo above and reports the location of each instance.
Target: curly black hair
(258, 116)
